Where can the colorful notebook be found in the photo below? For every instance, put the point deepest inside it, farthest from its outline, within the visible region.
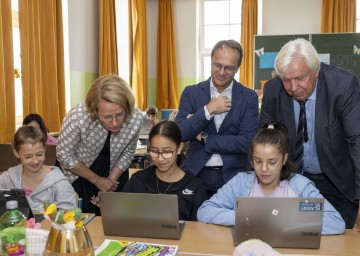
(122, 248)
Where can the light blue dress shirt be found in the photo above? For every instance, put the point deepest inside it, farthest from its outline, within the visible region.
(311, 161)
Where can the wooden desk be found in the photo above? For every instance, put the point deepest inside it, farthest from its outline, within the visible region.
(206, 239)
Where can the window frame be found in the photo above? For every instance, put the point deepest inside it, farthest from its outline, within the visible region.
(206, 52)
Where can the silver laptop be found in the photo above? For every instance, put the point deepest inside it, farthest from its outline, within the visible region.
(145, 129)
(291, 222)
(140, 215)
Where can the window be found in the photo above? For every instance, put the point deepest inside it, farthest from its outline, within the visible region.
(17, 63)
(17, 59)
(219, 20)
(357, 16)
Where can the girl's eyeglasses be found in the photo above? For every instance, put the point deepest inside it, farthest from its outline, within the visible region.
(271, 165)
(165, 155)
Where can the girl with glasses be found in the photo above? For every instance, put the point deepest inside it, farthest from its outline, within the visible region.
(273, 175)
(165, 176)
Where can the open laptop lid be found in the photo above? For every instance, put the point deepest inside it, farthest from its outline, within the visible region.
(291, 222)
(140, 215)
(145, 129)
(18, 195)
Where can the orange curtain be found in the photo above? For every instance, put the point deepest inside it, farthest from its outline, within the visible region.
(7, 91)
(107, 34)
(167, 92)
(248, 31)
(42, 60)
(139, 58)
(338, 16)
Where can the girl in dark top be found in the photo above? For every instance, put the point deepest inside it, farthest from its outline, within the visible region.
(165, 175)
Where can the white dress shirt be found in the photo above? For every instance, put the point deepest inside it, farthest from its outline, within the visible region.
(215, 159)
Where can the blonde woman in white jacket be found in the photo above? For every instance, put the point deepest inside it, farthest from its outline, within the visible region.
(98, 140)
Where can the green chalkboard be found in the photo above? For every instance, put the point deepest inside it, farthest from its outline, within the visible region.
(339, 49)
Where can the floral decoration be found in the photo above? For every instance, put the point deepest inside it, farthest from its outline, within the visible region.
(70, 219)
(31, 223)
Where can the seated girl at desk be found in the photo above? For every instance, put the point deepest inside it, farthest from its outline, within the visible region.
(273, 176)
(36, 120)
(151, 114)
(40, 182)
(165, 175)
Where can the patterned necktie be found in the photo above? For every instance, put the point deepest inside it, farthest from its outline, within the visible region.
(301, 137)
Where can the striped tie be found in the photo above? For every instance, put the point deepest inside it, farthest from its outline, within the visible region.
(301, 137)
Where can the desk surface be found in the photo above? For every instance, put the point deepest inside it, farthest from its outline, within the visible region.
(141, 152)
(201, 238)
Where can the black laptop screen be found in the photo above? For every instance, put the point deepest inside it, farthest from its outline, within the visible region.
(18, 195)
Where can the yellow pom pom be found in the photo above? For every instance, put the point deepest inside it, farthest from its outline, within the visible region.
(69, 216)
(79, 224)
(76, 211)
(51, 209)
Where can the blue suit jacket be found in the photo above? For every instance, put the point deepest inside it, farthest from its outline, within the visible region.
(233, 139)
(337, 124)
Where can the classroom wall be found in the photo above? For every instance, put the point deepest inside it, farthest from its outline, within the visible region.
(185, 40)
(283, 17)
(152, 13)
(83, 17)
(278, 17)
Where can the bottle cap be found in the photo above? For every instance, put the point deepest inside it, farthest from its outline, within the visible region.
(11, 204)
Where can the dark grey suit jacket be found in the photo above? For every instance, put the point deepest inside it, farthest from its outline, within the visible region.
(337, 124)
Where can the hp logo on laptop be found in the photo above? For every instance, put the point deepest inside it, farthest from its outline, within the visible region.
(275, 212)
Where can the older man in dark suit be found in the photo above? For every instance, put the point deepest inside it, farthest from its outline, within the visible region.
(329, 128)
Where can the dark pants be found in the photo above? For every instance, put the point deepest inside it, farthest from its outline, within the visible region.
(347, 209)
(212, 179)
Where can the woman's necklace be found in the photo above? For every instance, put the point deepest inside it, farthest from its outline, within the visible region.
(157, 186)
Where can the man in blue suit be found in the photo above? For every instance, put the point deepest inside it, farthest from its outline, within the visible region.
(219, 117)
(331, 154)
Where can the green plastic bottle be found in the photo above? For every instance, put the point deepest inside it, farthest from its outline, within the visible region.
(13, 231)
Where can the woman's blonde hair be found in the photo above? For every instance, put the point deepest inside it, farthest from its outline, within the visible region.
(113, 89)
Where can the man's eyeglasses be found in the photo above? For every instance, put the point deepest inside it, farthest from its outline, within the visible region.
(228, 69)
(165, 155)
(109, 119)
(271, 165)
